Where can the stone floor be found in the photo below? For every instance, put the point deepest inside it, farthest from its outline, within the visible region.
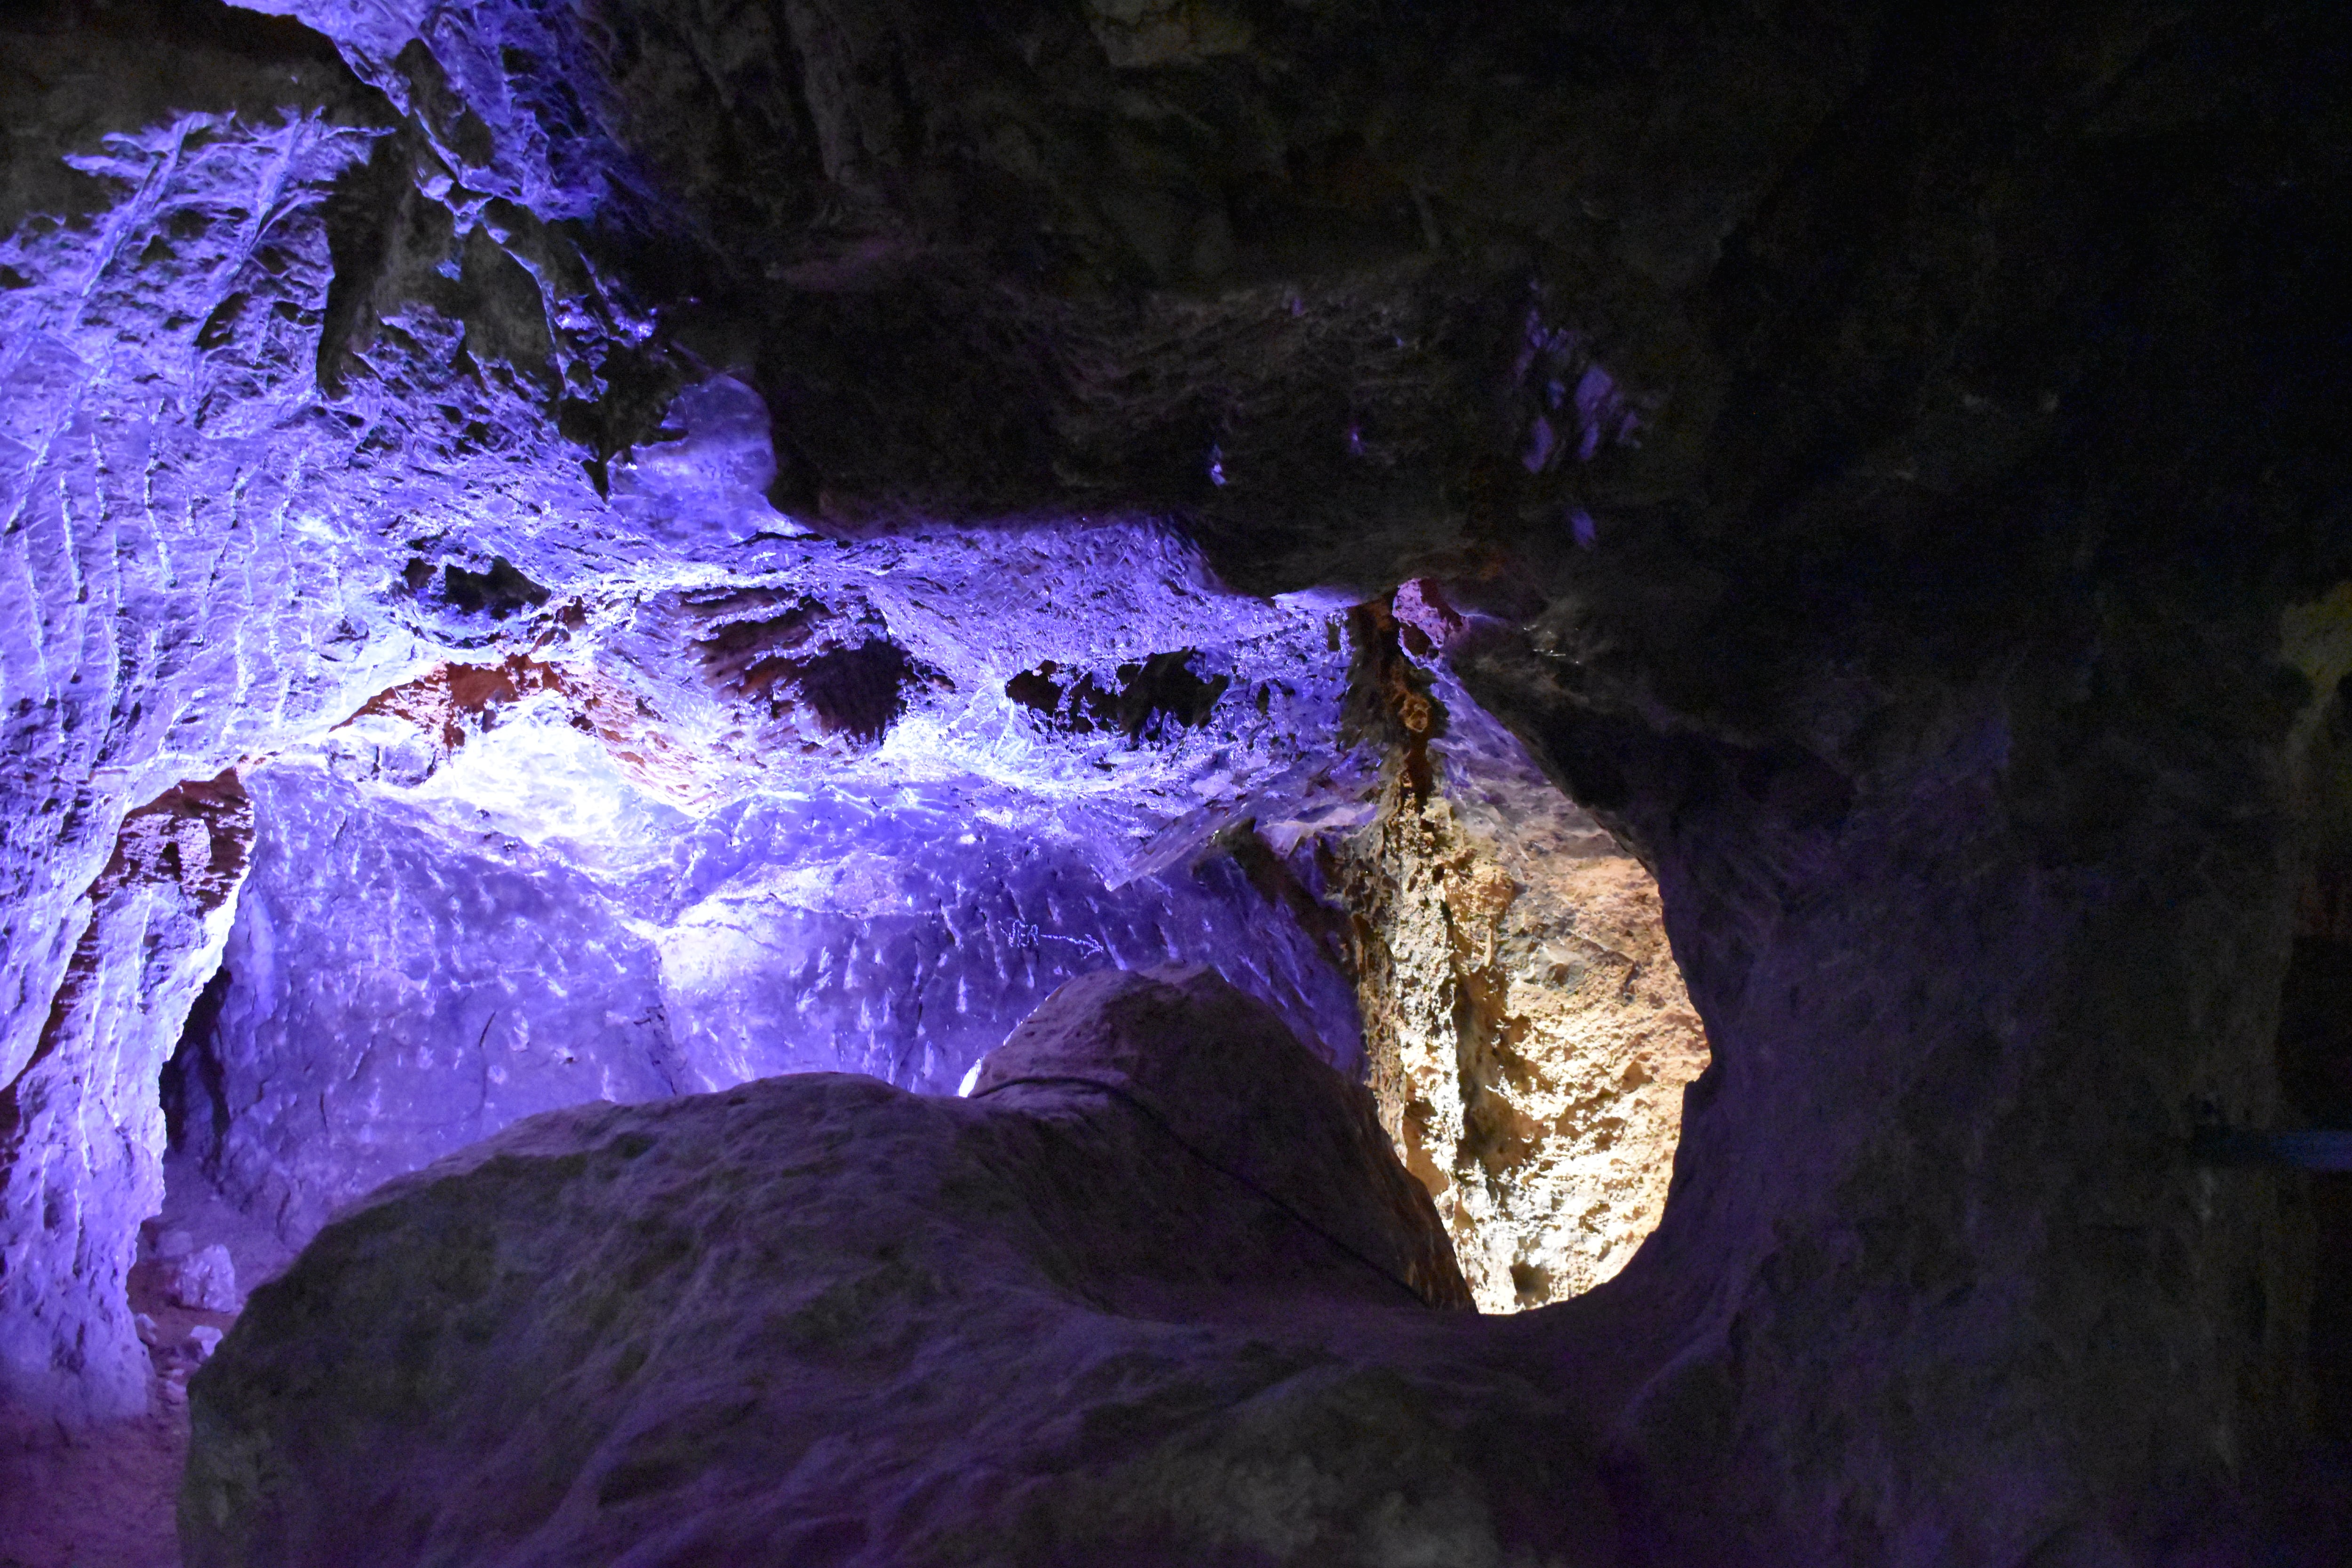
(105, 1498)
(103, 1501)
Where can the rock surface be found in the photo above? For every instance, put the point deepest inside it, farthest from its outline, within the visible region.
(205, 1279)
(816, 1320)
(648, 861)
(104, 1493)
(81, 1127)
(1890, 466)
(1179, 1047)
(408, 975)
(1527, 1033)
(174, 600)
(1959, 1055)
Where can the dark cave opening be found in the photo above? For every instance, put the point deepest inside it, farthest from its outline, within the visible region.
(193, 1088)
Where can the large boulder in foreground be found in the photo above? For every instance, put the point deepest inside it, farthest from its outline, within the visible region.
(1158, 1292)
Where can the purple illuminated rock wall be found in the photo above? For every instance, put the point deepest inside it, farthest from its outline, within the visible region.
(399, 984)
(167, 611)
(84, 1130)
(304, 397)
(708, 833)
(285, 416)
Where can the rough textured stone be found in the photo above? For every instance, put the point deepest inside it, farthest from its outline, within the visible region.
(1525, 1029)
(650, 860)
(1527, 1033)
(409, 972)
(205, 1279)
(1889, 464)
(1176, 1045)
(183, 589)
(1902, 1080)
(81, 1127)
(816, 1320)
(390, 995)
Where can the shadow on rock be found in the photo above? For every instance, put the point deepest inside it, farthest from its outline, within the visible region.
(1158, 1292)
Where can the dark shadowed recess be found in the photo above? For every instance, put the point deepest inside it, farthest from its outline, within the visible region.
(1146, 698)
(497, 592)
(2315, 1058)
(854, 690)
(154, 51)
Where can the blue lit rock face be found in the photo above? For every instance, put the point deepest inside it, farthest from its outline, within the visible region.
(414, 968)
(901, 939)
(398, 988)
(202, 548)
(161, 912)
(284, 404)
(724, 825)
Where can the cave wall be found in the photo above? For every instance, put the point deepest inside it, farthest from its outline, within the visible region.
(1530, 1038)
(2315, 1046)
(391, 996)
(408, 974)
(861, 809)
(1959, 1064)
(81, 1126)
(297, 417)
(189, 583)
(153, 559)
(927, 1264)
(1966, 760)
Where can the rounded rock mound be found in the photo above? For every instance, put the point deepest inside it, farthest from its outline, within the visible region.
(1150, 1295)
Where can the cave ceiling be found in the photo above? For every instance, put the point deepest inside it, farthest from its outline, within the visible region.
(1525, 298)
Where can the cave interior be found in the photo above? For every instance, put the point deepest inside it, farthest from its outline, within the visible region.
(1224, 781)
